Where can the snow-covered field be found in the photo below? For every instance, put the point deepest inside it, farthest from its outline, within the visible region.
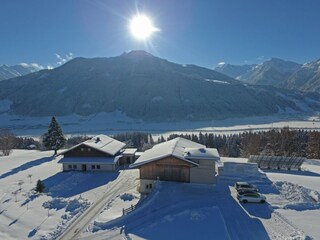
(117, 122)
(172, 211)
(28, 215)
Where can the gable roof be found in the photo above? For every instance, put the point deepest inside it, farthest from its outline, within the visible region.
(180, 148)
(101, 143)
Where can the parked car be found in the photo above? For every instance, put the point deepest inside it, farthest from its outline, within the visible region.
(242, 191)
(245, 185)
(251, 197)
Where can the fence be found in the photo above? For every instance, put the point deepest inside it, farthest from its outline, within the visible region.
(125, 211)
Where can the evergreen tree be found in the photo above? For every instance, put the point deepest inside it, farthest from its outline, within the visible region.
(54, 138)
(39, 186)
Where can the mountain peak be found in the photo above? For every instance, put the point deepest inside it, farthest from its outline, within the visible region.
(137, 53)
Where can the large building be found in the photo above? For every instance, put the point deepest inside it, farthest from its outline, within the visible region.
(179, 160)
(100, 153)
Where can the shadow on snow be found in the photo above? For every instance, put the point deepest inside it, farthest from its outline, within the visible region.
(68, 184)
(26, 166)
(190, 211)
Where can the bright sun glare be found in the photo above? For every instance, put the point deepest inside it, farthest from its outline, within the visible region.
(141, 27)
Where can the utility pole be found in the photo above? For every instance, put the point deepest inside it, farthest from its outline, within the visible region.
(20, 182)
(29, 176)
(15, 195)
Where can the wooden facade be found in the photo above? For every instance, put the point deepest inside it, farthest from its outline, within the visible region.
(85, 151)
(166, 169)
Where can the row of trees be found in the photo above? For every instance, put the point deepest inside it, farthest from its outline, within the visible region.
(283, 142)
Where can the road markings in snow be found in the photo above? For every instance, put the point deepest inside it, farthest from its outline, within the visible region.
(113, 189)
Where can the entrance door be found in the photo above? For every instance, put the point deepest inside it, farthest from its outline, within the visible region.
(84, 167)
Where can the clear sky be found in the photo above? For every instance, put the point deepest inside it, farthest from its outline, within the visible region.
(202, 32)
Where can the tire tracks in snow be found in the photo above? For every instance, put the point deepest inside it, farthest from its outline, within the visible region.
(113, 189)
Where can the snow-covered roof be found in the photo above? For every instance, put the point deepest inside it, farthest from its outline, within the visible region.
(90, 160)
(129, 151)
(138, 154)
(202, 153)
(179, 148)
(102, 143)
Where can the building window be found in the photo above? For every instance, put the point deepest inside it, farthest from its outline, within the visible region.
(74, 166)
(150, 186)
(93, 166)
(147, 186)
(89, 149)
(70, 166)
(82, 149)
(98, 166)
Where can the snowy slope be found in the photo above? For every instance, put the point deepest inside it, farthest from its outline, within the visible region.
(66, 195)
(145, 87)
(172, 211)
(7, 72)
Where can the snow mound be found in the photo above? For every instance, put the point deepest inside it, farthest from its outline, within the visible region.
(298, 197)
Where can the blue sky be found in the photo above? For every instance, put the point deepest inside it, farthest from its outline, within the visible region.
(200, 32)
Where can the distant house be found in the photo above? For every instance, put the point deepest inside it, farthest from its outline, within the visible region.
(100, 153)
(128, 156)
(178, 160)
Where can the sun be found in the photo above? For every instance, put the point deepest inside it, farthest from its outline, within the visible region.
(142, 27)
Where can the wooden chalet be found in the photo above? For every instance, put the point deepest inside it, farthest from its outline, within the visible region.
(100, 153)
(179, 160)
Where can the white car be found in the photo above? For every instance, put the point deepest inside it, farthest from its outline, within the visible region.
(251, 197)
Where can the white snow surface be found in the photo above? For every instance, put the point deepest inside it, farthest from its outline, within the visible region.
(216, 81)
(171, 211)
(176, 147)
(44, 216)
(118, 122)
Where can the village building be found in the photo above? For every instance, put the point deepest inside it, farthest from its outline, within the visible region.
(179, 160)
(128, 156)
(100, 153)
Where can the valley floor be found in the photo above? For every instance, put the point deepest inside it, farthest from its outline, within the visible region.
(172, 211)
(117, 122)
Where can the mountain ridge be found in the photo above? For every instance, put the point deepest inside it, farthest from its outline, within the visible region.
(7, 72)
(280, 73)
(143, 87)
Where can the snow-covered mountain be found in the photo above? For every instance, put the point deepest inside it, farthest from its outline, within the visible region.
(278, 73)
(273, 72)
(307, 78)
(144, 87)
(235, 71)
(7, 72)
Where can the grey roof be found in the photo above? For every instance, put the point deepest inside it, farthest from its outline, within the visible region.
(180, 148)
(90, 160)
(129, 151)
(102, 143)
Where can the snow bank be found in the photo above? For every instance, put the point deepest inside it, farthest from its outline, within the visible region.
(298, 197)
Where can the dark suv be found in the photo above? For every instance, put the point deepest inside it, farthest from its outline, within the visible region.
(245, 186)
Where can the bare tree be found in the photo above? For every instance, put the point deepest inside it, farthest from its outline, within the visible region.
(7, 141)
